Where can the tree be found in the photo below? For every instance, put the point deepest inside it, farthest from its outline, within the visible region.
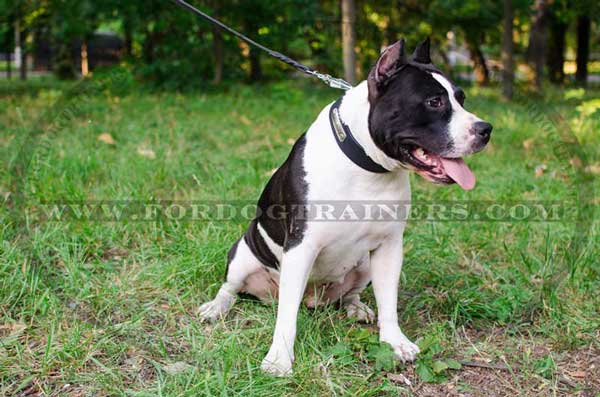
(559, 16)
(7, 36)
(349, 40)
(68, 29)
(19, 47)
(217, 37)
(536, 51)
(583, 48)
(555, 56)
(508, 73)
(482, 72)
(475, 19)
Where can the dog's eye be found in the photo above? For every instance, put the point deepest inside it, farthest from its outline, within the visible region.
(436, 102)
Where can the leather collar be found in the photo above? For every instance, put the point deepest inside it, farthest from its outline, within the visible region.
(348, 144)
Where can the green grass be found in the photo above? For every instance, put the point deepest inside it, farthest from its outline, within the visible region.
(93, 308)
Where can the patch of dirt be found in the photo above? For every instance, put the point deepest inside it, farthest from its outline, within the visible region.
(486, 374)
(115, 254)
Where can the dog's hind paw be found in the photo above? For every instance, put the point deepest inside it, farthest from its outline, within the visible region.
(213, 311)
(360, 311)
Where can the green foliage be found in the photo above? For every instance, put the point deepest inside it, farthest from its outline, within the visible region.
(545, 366)
(109, 308)
(430, 367)
(173, 49)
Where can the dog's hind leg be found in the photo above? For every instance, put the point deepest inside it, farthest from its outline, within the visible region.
(351, 301)
(241, 263)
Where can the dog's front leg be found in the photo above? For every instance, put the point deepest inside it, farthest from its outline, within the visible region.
(386, 265)
(296, 265)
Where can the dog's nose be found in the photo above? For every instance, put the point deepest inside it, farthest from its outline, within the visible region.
(482, 129)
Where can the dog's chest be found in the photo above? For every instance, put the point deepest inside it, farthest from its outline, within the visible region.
(346, 245)
(336, 182)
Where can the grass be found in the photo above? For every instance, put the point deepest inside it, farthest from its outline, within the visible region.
(98, 308)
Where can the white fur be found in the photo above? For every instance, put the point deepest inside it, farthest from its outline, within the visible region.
(243, 264)
(460, 124)
(275, 248)
(331, 249)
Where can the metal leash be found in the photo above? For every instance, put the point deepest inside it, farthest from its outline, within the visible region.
(327, 79)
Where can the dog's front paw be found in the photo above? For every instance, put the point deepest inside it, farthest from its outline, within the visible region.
(277, 363)
(360, 311)
(404, 349)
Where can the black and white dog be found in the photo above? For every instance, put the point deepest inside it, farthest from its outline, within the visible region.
(406, 117)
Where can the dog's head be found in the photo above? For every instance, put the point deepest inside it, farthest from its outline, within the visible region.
(417, 117)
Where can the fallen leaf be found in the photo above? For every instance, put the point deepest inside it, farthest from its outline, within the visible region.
(177, 368)
(593, 169)
(528, 143)
(540, 169)
(13, 329)
(576, 162)
(398, 378)
(115, 253)
(291, 141)
(106, 138)
(145, 152)
(578, 374)
(244, 120)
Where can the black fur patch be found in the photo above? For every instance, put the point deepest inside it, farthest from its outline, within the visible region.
(399, 119)
(277, 208)
(259, 247)
(231, 255)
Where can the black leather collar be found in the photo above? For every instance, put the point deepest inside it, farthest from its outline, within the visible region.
(348, 144)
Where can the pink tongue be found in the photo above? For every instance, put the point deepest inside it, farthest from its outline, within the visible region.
(458, 170)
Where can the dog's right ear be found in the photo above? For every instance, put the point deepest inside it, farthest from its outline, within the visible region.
(391, 59)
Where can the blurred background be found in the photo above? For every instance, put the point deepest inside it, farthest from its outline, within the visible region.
(530, 42)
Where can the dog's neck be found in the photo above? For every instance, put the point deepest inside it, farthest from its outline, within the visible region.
(354, 112)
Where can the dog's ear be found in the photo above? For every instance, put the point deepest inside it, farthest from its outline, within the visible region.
(390, 59)
(421, 54)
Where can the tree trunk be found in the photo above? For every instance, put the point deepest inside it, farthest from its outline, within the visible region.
(349, 40)
(8, 65)
(128, 33)
(255, 68)
(508, 65)
(85, 69)
(23, 68)
(583, 48)
(555, 56)
(217, 35)
(19, 53)
(218, 54)
(254, 53)
(482, 73)
(149, 46)
(537, 40)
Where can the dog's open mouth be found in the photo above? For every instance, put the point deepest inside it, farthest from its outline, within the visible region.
(443, 170)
